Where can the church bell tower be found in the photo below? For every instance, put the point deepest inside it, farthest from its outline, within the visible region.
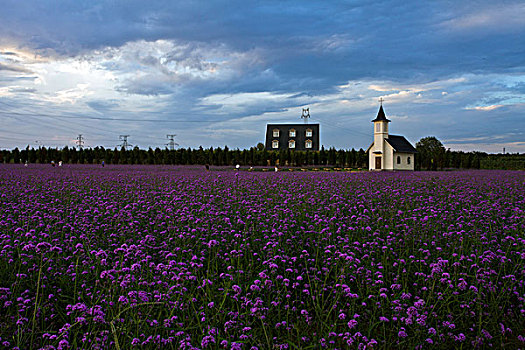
(380, 134)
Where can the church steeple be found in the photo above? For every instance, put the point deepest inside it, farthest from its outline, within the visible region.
(381, 117)
(381, 123)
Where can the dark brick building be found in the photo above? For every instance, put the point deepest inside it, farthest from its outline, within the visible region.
(300, 137)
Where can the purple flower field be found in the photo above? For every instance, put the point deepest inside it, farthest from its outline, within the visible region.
(149, 257)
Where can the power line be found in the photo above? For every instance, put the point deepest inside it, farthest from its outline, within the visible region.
(336, 126)
(35, 121)
(71, 118)
(26, 112)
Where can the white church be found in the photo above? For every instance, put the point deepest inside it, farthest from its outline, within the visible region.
(389, 152)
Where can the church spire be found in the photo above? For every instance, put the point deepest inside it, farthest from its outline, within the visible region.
(381, 117)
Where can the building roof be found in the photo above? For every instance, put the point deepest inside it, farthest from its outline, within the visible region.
(381, 116)
(296, 126)
(400, 144)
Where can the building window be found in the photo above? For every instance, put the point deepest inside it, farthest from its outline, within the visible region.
(378, 127)
(291, 144)
(308, 132)
(275, 132)
(408, 160)
(308, 144)
(386, 127)
(275, 144)
(398, 160)
(292, 132)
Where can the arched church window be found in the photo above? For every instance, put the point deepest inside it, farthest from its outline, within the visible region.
(408, 160)
(398, 159)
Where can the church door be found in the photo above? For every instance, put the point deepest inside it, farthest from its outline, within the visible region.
(378, 163)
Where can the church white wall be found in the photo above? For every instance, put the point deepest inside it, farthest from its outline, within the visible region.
(371, 159)
(386, 157)
(404, 161)
(389, 159)
(378, 146)
(379, 141)
(388, 163)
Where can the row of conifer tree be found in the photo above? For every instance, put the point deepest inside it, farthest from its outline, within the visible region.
(257, 156)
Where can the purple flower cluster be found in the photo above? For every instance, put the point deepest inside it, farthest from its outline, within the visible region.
(171, 256)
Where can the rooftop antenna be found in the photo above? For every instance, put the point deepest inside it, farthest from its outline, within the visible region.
(172, 142)
(125, 144)
(305, 115)
(80, 142)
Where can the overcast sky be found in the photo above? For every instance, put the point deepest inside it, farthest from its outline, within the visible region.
(216, 72)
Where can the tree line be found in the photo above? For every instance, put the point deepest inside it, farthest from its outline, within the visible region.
(431, 155)
(255, 156)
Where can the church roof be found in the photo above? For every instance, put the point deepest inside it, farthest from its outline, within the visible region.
(381, 116)
(400, 144)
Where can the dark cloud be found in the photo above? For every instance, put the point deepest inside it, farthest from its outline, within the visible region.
(11, 79)
(148, 86)
(14, 68)
(387, 39)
